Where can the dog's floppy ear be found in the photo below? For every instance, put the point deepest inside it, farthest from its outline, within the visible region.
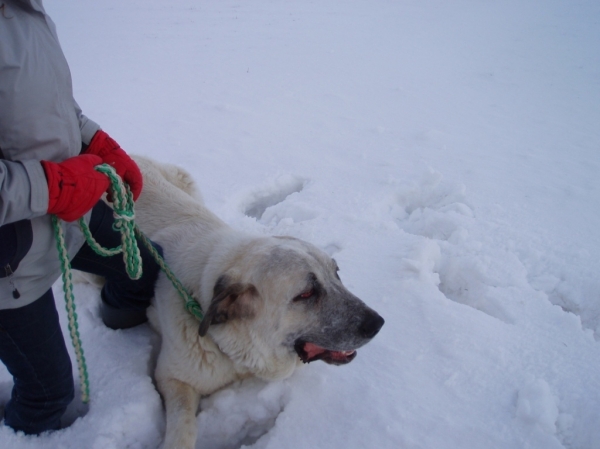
(230, 301)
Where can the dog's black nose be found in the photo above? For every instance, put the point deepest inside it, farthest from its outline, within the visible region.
(371, 324)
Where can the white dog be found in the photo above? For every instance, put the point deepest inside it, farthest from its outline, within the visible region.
(270, 303)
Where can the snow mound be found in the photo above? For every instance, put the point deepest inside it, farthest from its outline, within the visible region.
(537, 406)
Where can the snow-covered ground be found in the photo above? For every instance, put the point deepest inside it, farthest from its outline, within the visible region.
(446, 153)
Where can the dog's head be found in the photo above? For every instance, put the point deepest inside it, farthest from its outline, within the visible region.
(280, 302)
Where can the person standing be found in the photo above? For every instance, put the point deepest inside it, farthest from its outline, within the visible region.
(48, 151)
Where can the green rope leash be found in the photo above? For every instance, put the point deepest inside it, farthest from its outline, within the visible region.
(123, 207)
(191, 305)
(70, 306)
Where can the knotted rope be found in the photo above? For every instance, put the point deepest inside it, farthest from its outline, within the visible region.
(123, 207)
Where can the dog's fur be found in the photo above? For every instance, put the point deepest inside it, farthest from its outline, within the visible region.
(270, 303)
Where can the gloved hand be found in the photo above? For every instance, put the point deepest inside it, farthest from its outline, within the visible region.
(112, 154)
(74, 187)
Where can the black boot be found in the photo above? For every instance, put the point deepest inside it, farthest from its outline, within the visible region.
(114, 318)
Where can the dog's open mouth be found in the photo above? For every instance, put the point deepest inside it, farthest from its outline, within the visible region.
(309, 352)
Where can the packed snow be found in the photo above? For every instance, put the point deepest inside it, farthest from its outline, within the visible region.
(447, 154)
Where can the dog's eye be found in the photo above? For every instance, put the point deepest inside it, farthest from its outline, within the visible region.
(306, 295)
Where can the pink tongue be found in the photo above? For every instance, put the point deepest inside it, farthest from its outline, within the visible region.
(313, 350)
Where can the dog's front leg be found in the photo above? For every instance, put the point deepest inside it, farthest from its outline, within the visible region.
(181, 404)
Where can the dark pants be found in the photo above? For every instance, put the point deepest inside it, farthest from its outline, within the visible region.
(31, 342)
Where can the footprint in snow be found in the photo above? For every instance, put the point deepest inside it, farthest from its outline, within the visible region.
(272, 204)
(437, 210)
(433, 209)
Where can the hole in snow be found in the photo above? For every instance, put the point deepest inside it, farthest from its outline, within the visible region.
(240, 415)
(273, 195)
(76, 409)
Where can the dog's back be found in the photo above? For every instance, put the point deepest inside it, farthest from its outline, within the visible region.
(169, 195)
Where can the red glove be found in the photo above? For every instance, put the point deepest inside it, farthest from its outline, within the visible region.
(74, 187)
(112, 154)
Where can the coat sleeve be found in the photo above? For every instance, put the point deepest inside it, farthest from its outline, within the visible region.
(23, 191)
(87, 126)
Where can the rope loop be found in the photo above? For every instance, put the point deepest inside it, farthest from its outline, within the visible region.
(124, 223)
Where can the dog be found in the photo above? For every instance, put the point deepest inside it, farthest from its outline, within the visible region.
(270, 303)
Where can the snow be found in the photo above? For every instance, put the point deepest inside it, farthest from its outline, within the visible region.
(445, 153)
